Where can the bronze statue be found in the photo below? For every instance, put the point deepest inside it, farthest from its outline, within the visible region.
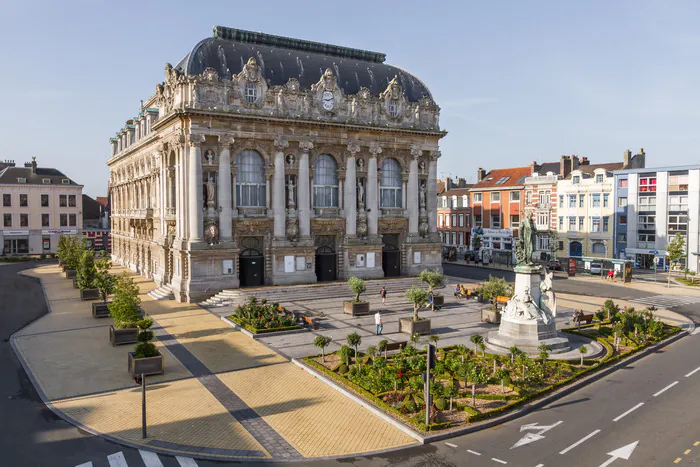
(527, 240)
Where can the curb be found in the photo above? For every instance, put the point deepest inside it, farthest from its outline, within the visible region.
(379, 413)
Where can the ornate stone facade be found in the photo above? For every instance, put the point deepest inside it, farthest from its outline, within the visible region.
(228, 179)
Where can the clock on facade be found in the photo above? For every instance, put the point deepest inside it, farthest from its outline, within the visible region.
(328, 100)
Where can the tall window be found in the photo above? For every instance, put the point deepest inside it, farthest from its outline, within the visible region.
(44, 220)
(7, 219)
(622, 183)
(62, 201)
(647, 184)
(477, 197)
(581, 200)
(495, 197)
(496, 221)
(477, 221)
(595, 224)
(561, 201)
(44, 201)
(250, 179)
(572, 201)
(390, 184)
(23, 201)
(71, 201)
(581, 224)
(325, 182)
(514, 221)
(561, 223)
(572, 224)
(7, 200)
(605, 199)
(461, 220)
(595, 200)
(544, 198)
(24, 220)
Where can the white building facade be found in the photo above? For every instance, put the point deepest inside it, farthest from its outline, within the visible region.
(251, 165)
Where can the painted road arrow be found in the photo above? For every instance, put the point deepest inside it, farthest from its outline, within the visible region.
(622, 453)
(532, 437)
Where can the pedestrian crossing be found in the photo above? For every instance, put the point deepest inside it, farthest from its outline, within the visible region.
(667, 301)
(145, 459)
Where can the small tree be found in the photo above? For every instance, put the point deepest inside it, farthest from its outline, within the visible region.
(675, 251)
(354, 340)
(502, 374)
(145, 348)
(125, 308)
(322, 342)
(610, 309)
(415, 337)
(435, 339)
(476, 339)
(583, 351)
(357, 286)
(544, 353)
(86, 273)
(61, 248)
(345, 352)
(451, 391)
(482, 347)
(461, 350)
(495, 287)
(418, 297)
(381, 346)
(514, 351)
(618, 330)
(104, 281)
(433, 278)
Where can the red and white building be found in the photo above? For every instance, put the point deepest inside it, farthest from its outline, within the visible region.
(454, 213)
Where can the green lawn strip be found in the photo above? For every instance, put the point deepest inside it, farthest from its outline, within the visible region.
(244, 324)
(688, 282)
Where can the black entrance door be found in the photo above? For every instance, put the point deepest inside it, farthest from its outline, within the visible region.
(391, 255)
(325, 264)
(252, 268)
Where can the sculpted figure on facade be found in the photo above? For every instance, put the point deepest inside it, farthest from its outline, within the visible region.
(326, 93)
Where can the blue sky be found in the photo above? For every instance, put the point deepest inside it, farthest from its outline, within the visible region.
(517, 81)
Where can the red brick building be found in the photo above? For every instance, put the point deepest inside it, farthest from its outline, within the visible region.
(454, 213)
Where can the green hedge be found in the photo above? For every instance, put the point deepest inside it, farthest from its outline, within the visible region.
(244, 324)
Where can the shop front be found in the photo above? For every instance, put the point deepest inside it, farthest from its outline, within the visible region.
(15, 242)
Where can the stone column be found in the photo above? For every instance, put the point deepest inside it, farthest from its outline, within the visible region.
(194, 179)
(303, 186)
(224, 182)
(372, 191)
(179, 155)
(350, 194)
(278, 194)
(412, 194)
(431, 192)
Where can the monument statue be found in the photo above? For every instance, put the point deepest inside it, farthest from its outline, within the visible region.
(211, 189)
(422, 195)
(290, 188)
(527, 241)
(360, 192)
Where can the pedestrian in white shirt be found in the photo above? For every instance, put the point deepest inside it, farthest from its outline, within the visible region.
(378, 323)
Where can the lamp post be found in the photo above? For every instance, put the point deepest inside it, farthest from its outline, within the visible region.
(141, 379)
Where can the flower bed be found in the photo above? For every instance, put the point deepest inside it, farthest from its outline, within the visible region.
(468, 386)
(262, 317)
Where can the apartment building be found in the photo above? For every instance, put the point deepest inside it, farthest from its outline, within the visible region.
(454, 213)
(651, 207)
(38, 205)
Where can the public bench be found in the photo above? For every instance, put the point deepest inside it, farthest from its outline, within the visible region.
(502, 300)
(396, 346)
(309, 321)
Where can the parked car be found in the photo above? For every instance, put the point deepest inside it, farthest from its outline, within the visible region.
(555, 265)
(596, 268)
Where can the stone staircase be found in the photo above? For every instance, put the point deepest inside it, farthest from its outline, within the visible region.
(162, 292)
(308, 292)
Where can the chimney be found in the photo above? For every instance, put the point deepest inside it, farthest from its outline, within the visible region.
(534, 168)
(574, 162)
(448, 183)
(638, 161)
(461, 183)
(565, 166)
(480, 174)
(34, 165)
(584, 160)
(626, 159)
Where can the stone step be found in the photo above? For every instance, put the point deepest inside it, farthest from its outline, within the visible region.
(162, 292)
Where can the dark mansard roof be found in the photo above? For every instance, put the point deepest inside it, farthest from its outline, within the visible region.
(281, 58)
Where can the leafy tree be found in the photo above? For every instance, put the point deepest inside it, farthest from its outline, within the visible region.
(345, 352)
(145, 348)
(372, 350)
(381, 346)
(618, 330)
(435, 339)
(357, 286)
(322, 342)
(462, 351)
(86, 273)
(433, 278)
(477, 376)
(514, 351)
(583, 350)
(482, 347)
(354, 340)
(495, 287)
(451, 391)
(418, 297)
(523, 361)
(476, 339)
(544, 353)
(502, 374)
(415, 337)
(126, 305)
(675, 251)
(610, 309)
(104, 281)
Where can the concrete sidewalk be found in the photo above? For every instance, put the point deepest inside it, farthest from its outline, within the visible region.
(223, 396)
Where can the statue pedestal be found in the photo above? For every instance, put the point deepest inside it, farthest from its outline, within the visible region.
(527, 320)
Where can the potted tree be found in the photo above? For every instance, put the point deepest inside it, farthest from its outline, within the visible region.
(415, 324)
(145, 359)
(105, 285)
(61, 251)
(126, 311)
(434, 279)
(72, 257)
(356, 307)
(490, 290)
(87, 275)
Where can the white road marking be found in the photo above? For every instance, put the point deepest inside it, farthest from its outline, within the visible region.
(150, 459)
(498, 460)
(629, 411)
(581, 441)
(473, 452)
(666, 388)
(117, 460)
(693, 372)
(87, 464)
(451, 445)
(186, 461)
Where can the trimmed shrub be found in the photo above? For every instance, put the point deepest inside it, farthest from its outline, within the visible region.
(440, 404)
(343, 369)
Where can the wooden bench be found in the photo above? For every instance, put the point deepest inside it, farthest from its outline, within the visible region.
(309, 321)
(502, 300)
(396, 346)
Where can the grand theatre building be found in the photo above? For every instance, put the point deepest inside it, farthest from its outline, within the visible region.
(270, 160)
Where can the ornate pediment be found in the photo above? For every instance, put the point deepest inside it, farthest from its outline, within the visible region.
(393, 100)
(250, 85)
(327, 95)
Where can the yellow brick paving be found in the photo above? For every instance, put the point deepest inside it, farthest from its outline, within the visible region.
(314, 418)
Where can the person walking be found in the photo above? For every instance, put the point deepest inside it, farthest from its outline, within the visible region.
(430, 300)
(379, 325)
(382, 293)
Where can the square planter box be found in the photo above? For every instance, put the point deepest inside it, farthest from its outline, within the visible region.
(146, 366)
(89, 294)
(70, 273)
(122, 336)
(75, 282)
(356, 309)
(491, 316)
(438, 300)
(100, 310)
(411, 327)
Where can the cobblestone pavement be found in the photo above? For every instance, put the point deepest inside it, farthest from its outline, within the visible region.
(223, 395)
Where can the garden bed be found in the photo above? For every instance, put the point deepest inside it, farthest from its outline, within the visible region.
(260, 317)
(500, 383)
(247, 326)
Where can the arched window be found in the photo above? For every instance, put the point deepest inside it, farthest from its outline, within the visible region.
(390, 184)
(250, 179)
(598, 248)
(325, 183)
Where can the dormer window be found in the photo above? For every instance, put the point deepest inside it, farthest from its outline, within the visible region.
(599, 178)
(576, 179)
(21, 180)
(46, 181)
(251, 93)
(65, 181)
(393, 108)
